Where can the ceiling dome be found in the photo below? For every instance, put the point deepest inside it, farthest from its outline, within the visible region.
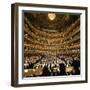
(49, 21)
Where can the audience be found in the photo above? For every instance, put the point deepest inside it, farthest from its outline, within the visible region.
(54, 66)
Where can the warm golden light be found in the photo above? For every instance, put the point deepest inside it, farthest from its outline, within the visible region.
(51, 16)
(26, 70)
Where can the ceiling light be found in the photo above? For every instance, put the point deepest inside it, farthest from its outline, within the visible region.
(51, 16)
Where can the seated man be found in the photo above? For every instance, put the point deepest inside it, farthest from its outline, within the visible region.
(62, 69)
(76, 65)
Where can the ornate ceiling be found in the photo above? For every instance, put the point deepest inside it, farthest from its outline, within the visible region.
(58, 22)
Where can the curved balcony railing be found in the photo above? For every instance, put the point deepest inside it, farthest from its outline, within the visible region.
(30, 33)
(31, 46)
(40, 32)
(49, 42)
(52, 52)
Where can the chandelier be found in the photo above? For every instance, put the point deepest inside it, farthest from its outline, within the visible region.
(51, 16)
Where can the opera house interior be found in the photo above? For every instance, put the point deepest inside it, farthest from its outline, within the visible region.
(51, 44)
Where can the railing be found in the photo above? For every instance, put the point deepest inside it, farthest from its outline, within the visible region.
(52, 53)
(51, 47)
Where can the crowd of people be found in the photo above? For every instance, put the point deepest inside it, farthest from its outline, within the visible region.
(55, 48)
(54, 66)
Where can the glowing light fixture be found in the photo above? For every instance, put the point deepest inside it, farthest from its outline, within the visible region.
(51, 16)
(26, 70)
